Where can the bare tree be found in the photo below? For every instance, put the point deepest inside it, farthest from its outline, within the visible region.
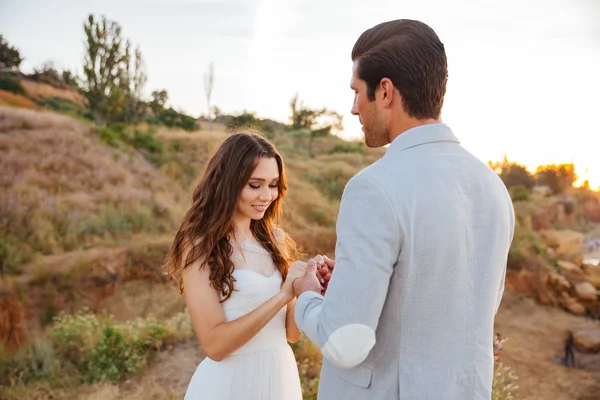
(209, 80)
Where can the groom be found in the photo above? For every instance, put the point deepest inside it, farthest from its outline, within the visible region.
(422, 241)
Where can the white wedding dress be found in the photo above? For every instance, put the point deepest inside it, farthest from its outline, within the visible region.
(265, 367)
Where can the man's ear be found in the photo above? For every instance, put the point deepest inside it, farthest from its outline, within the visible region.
(387, 91)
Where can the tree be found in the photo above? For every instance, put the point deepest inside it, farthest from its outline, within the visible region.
(112, 84)
(558, 177)
(319, 122)
(513, 174)
(217, 113)
(48, 73)
(209, 80)
(133, 86)
(245, 119)
(159, 100)
(10, 58)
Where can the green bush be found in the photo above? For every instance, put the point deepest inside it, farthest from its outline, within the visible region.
(173, 119)
(113, 357)
(104, 350)
(33, 362)
(93, 348)
(11, 84)
(73, 335)
(352, 147)
(321, 217)
(146, 141)
(519, 193)
(113, 135)
(13, 254)
(66, 107)
(113, 223)
(526, 248)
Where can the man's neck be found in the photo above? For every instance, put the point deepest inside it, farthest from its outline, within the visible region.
(403, 126)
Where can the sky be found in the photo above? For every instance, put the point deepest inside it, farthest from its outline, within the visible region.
(523, 75)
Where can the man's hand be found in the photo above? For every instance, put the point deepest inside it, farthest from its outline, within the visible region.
(308, 282)
(325, 267)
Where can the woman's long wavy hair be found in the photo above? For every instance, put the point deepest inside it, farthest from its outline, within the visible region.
(207, 226)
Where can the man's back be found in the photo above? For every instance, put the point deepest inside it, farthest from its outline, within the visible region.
(435, 335)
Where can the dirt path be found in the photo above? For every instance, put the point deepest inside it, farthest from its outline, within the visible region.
(535, 337)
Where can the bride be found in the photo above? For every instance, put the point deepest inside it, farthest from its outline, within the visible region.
(235, 270)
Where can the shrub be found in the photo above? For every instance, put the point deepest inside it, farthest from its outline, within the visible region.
(146, 141)
(113, 223)
(13, 254)
(104, 350)
(113, 357)
(113, 135)
(526, 249)
(352, 147)
(33, 362)
(66, 107)
(173, 119)
(73, 335)
(519, 193)
(503, 386)
(11, 84)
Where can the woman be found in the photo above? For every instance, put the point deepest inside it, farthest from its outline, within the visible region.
(235, 270)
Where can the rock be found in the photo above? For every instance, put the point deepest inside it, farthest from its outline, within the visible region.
(559, 282)
(568, 266)
(595, 280)
(593, 272)
(587, 341)
(586, 291)
(525, 282)
(573, 306)
(564, 242)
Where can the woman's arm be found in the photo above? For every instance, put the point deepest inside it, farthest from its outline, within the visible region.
(291, 329)
(218, 337)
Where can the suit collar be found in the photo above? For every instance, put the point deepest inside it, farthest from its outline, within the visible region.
(420, 135)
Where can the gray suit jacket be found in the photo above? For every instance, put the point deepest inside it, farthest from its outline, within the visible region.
(423, 238)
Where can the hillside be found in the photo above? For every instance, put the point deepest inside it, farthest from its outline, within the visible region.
(87, 215)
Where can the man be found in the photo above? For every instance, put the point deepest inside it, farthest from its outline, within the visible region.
(423, 238)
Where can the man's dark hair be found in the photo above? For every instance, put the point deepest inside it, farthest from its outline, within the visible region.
(412, 56)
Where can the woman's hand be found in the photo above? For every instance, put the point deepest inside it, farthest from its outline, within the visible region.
(297, 270)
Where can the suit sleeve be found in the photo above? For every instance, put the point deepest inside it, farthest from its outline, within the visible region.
(343, 323)
(511, 237)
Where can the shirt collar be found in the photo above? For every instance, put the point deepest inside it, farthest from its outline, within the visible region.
(422, 134)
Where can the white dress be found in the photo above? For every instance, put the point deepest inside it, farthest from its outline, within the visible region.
(265, 367)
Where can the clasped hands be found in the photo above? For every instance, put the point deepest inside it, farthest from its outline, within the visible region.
(313, 275)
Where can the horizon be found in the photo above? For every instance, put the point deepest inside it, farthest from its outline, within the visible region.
(522, 79)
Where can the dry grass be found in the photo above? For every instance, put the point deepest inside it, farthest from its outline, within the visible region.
(40, 90)
(16, 100)
(60, 186)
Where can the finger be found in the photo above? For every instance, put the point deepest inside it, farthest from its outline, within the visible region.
(320, 277)
(329, 262)
(325, 274)
(319, 260)
(311, 267)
